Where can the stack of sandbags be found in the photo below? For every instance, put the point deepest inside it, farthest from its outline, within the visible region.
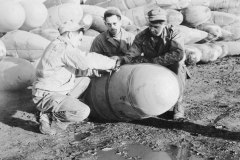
(25, 45)
(36, 14)
(124, 5)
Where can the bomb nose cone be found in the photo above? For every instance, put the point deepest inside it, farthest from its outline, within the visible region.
(153, 89)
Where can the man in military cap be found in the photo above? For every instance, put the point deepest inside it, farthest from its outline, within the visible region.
(115, 41)
(56, 90)
(160, 44)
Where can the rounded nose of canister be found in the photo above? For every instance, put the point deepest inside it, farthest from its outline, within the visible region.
(153, 89)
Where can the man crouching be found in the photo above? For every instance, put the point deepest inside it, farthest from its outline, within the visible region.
(56, 88)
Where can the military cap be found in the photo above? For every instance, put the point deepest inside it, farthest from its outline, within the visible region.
(157, 14)
(69, 26)
(112, 12)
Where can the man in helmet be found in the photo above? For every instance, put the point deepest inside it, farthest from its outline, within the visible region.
(56, 90)
(160, 44)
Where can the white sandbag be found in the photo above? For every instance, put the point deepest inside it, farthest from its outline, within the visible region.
(174, 17)
(191, 35)
(133, 29)
(214, 32)
(195, 15)
(225, 49)
(52, 3)
(91, 32)
(97, 14)
(124, 5)
(234, 29)
(218, 51)
(49, 33)
(86, 21)
(224, 19)
(3, 51)
(24, 45)
(226, 35)
(41, 1)
(35, 63)
(235, 11)
(225, 4)
(93, 2)
(12, 15)
(86, 43)
(210, 52)
(63, 13)
(205, 3)
(16, 74)
(193, 55)
(233, 48)
(36, 14)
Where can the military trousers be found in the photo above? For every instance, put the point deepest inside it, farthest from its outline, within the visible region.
(65, 107)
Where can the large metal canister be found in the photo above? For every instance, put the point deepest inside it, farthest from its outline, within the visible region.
(134, 92)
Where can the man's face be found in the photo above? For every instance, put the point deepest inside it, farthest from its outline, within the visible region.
(113, 24)
(157, 29)
(75, 38)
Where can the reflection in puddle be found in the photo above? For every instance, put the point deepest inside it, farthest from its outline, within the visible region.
(141, 152)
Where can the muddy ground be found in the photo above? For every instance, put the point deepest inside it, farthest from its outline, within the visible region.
(213, 132)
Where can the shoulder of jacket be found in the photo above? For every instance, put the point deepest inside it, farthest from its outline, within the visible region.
(101, 35)
(141, 35)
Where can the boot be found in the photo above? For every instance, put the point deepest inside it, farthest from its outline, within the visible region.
(45, 124)
(178, 111)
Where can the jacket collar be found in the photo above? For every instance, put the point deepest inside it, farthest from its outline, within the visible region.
(148, 35)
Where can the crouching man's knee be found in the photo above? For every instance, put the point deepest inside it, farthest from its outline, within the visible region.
(72, 110)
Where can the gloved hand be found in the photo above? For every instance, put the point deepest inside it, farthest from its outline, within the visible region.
(141, 59)
(119, 61)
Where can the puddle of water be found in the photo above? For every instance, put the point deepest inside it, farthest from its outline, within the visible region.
(141, 152)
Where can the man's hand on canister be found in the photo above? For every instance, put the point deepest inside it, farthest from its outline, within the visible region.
(141, 59)
(119, 61)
